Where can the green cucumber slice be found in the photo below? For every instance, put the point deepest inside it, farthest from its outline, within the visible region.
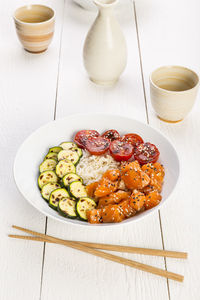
(56, 196)
(47, 177)
(65, 166)
(83, 205)
(48, 165)
(67, 208)
(48, 188)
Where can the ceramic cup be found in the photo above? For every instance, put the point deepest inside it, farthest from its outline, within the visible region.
(35, 27)
(173, 92)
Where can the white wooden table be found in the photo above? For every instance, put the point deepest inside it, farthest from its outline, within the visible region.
(35, 89)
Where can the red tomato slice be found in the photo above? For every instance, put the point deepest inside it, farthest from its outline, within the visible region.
(133, 139)
(132, 158)
(82, 136)
(120, 150)
(112, 135)
(98, 145)
(146, 153)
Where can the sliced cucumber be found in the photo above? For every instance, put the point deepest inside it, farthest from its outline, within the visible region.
(65, 166)
(51, 155)
(67, 207)
(48, 188)
(69, 178)
(55, 149)
(47, 177)
(70, 155)
(83, 205)
(77, 189)
(48, 165)
(68, 145)
(56, 196)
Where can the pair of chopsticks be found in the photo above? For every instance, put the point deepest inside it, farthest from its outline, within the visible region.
(91, 248)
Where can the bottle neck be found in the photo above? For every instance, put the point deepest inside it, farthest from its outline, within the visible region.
(104, 12)
(105, 6)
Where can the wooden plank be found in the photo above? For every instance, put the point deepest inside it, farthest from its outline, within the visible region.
(76, 273)
(168, 35)
(27, 98)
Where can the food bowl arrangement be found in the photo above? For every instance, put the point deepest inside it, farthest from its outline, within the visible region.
(29, 164)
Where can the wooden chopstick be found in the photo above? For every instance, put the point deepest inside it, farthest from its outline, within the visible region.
(118, 248)
(102, 254)
(111, 257)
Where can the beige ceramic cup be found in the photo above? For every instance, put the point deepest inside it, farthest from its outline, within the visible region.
(35, 27)
(173, 92)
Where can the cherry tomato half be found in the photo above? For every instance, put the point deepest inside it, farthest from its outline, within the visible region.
(120, 150)
(83, 135)
(146, 153)
(98, 145)
(133, 139)
(112, 135)
(132, 158)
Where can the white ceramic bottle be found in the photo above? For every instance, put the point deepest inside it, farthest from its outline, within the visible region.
(105, 52)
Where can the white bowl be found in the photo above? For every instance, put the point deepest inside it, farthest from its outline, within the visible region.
(89, 4)
(34, 148)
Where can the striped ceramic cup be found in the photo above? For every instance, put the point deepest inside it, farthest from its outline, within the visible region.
(35, 27)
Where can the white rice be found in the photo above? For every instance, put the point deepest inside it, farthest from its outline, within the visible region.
(92, 167)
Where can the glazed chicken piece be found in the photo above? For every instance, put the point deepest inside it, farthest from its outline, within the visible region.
(133, 176)
(113, 198)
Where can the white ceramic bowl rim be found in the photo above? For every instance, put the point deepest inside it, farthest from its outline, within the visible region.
(81, 223)
(103, 3)
(38, 23)
(173, 66)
